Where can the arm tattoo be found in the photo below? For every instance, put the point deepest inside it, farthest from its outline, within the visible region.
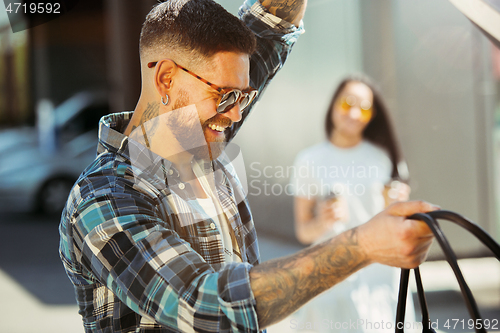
(283, 285)
(288, 10)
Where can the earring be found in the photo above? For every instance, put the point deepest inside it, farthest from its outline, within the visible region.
(168, 100)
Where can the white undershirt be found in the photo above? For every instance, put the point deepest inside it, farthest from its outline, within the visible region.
(212, 207)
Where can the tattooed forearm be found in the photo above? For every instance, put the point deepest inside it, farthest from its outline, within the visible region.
(282, 286)
(289, 10)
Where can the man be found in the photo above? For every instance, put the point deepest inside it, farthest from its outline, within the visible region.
(157, 235)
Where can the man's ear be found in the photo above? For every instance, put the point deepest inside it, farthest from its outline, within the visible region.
(165, 70)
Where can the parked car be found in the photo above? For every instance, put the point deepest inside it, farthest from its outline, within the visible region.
(32, 179)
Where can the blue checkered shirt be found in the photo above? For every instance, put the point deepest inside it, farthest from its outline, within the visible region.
(136, 250)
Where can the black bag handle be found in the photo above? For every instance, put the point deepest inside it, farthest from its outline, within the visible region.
(403, 291)
(479, 233)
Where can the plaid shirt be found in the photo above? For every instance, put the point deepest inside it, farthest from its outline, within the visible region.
(141, 257)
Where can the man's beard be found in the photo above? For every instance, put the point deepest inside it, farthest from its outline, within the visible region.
(193, 135)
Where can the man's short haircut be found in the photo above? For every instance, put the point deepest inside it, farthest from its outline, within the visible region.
(202, 26)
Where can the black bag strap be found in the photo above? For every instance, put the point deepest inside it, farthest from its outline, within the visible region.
(403, 291)
(479, 233)
(426, 320)
(470, 226)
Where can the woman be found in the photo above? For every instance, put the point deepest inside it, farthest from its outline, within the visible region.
(341, 183)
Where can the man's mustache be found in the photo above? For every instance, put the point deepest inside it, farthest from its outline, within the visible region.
(218, 120)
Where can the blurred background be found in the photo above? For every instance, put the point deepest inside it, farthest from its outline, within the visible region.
(438, 73)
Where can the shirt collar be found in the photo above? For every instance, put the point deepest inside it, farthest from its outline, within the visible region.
(112, 139)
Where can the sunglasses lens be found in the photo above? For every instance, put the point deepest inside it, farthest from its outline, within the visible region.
(366, 110)
(365, 104)
(344, 105)
(228, 101)
(366, 114)
(247, 99)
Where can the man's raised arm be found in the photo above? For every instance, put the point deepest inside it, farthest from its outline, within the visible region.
(281, 286)
(289, 10)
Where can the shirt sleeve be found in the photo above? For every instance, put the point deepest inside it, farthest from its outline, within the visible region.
(275, 39)
(122, 243)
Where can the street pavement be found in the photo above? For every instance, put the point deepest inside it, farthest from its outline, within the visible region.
(37, 297)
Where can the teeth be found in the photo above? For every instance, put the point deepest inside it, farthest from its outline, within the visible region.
(216, 127)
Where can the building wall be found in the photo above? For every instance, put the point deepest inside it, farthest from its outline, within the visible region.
(440, 86)
(68, 53)
(15, 101)
(290, 116)
(434, 70)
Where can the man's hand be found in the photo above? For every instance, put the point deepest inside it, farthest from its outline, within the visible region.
(390, 239)
(283, 285)
(289, 10)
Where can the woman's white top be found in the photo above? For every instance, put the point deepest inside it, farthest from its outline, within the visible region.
(368, 298)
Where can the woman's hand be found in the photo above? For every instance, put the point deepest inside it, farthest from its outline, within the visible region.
(396, 191)
(333, 211)
(313, 219)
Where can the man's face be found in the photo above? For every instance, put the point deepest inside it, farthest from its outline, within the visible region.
(202, 138)
(226, 70)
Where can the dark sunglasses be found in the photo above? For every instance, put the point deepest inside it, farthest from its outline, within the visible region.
(228, 98)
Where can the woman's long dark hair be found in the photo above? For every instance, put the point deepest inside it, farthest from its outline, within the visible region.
(379, 130)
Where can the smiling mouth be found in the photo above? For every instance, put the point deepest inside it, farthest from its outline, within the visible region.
(216, 128)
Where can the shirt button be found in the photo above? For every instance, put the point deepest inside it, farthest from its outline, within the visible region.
(170, 172)
(212, 226)
(182, 186)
